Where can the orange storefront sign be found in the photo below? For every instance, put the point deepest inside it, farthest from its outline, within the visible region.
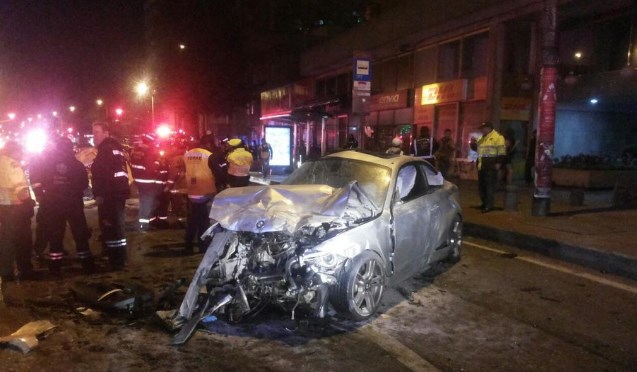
(449, 91)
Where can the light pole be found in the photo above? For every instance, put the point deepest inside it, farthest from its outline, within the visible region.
(142, 89)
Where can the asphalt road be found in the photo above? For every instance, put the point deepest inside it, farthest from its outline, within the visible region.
(498, 309)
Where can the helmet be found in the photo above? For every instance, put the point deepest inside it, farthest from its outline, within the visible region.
(397, 141)
(235, 142)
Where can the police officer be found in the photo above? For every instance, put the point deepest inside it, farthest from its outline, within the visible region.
(60, 193)
(491, 153)
(204, 177)
(110, 189)
(146, 169)
(239, 164)
(16, 210)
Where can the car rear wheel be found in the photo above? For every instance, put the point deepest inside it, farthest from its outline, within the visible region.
(454, 240)
(360, 287)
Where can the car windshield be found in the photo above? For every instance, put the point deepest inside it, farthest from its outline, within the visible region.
(338, 172)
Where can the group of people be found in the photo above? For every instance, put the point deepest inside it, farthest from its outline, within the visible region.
(59, 180)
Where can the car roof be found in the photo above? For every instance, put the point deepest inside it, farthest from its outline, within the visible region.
(388, 160)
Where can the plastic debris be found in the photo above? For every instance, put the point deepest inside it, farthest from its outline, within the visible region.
(26, 338)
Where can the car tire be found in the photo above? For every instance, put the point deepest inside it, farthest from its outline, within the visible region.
(360, 287)
(454, 240)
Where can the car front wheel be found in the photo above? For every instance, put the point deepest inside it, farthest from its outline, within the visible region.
(454, 240)
(360, 287)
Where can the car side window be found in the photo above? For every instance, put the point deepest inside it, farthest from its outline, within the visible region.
(410, 183)
(434, 178)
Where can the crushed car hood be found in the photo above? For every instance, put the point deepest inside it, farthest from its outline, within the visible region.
(287, 208)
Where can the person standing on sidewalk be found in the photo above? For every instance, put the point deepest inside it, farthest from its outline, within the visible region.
(444, 154)
(491, 152)
(265, 154)
(239, 164)
(16, 210)
(110, 189)
(60, 191)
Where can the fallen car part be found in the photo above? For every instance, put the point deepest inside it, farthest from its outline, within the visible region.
(26, 338)
(202, 312)
(114, 296)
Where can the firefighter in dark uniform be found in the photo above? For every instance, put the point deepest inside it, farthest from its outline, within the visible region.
(110, 189)
(146, 170)
(60, 192)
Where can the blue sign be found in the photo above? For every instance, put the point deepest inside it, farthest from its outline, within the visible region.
(362, 69)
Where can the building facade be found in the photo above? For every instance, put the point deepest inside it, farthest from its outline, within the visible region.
(454, 64)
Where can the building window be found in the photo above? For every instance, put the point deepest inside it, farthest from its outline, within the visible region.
(448, 61)
(474, 55)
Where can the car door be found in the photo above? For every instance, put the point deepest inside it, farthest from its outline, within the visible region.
(410, 221)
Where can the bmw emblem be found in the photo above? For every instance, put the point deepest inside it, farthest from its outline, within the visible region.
(260, 224)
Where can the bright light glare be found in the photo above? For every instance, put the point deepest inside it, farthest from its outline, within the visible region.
(119, 111)
(142, 88)
(163, 131)
(35, 141)
(70, 130)
(99, 102)
(11, 115)
(578, 55)
(72, 108)
(55, 113)
(594, 101)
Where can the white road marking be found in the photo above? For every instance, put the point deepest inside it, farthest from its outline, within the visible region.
(591, 277)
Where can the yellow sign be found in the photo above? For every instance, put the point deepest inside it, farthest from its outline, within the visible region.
(515, 108)
(449, 91)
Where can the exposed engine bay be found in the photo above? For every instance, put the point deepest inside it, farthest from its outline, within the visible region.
(244, 271)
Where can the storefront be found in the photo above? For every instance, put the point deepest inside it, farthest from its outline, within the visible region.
(391, 115)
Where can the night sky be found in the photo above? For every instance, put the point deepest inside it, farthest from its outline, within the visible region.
(59, 52)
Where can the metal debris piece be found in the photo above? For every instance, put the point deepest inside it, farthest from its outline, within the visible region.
(26, 338)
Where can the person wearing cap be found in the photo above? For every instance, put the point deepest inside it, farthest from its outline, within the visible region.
(395, 147)
(60, 190)
(491, 153)
(239, 164)
(16, 210)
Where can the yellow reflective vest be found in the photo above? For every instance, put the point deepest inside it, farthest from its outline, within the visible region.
(14, 187)
(239, 162)
(200, 180)
(490, 146)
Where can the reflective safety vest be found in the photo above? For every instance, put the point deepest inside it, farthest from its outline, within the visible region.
(490, 146)
(200, 180)
(239, 162)
(14, 187)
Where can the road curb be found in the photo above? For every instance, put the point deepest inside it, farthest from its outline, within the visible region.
(606, 262)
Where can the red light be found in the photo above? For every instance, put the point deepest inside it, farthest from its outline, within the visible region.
(119, 111)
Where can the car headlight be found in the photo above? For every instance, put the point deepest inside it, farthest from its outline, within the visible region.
(323, 260)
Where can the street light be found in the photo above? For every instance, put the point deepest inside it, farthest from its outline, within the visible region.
(72, 108)
(99, 102)
(143, 89)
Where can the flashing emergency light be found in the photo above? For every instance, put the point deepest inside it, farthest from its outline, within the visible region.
(119, 111)
(163, 131)
(35, 141)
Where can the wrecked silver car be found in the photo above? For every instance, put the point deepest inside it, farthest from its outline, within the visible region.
(336, 232)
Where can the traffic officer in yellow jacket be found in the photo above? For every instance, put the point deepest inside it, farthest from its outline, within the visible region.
(203, 178)
(491, 153)
(16, 210)
(239, 164)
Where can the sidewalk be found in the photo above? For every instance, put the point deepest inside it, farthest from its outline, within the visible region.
(592, 234)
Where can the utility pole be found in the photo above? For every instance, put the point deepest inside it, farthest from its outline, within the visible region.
(547, 102)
